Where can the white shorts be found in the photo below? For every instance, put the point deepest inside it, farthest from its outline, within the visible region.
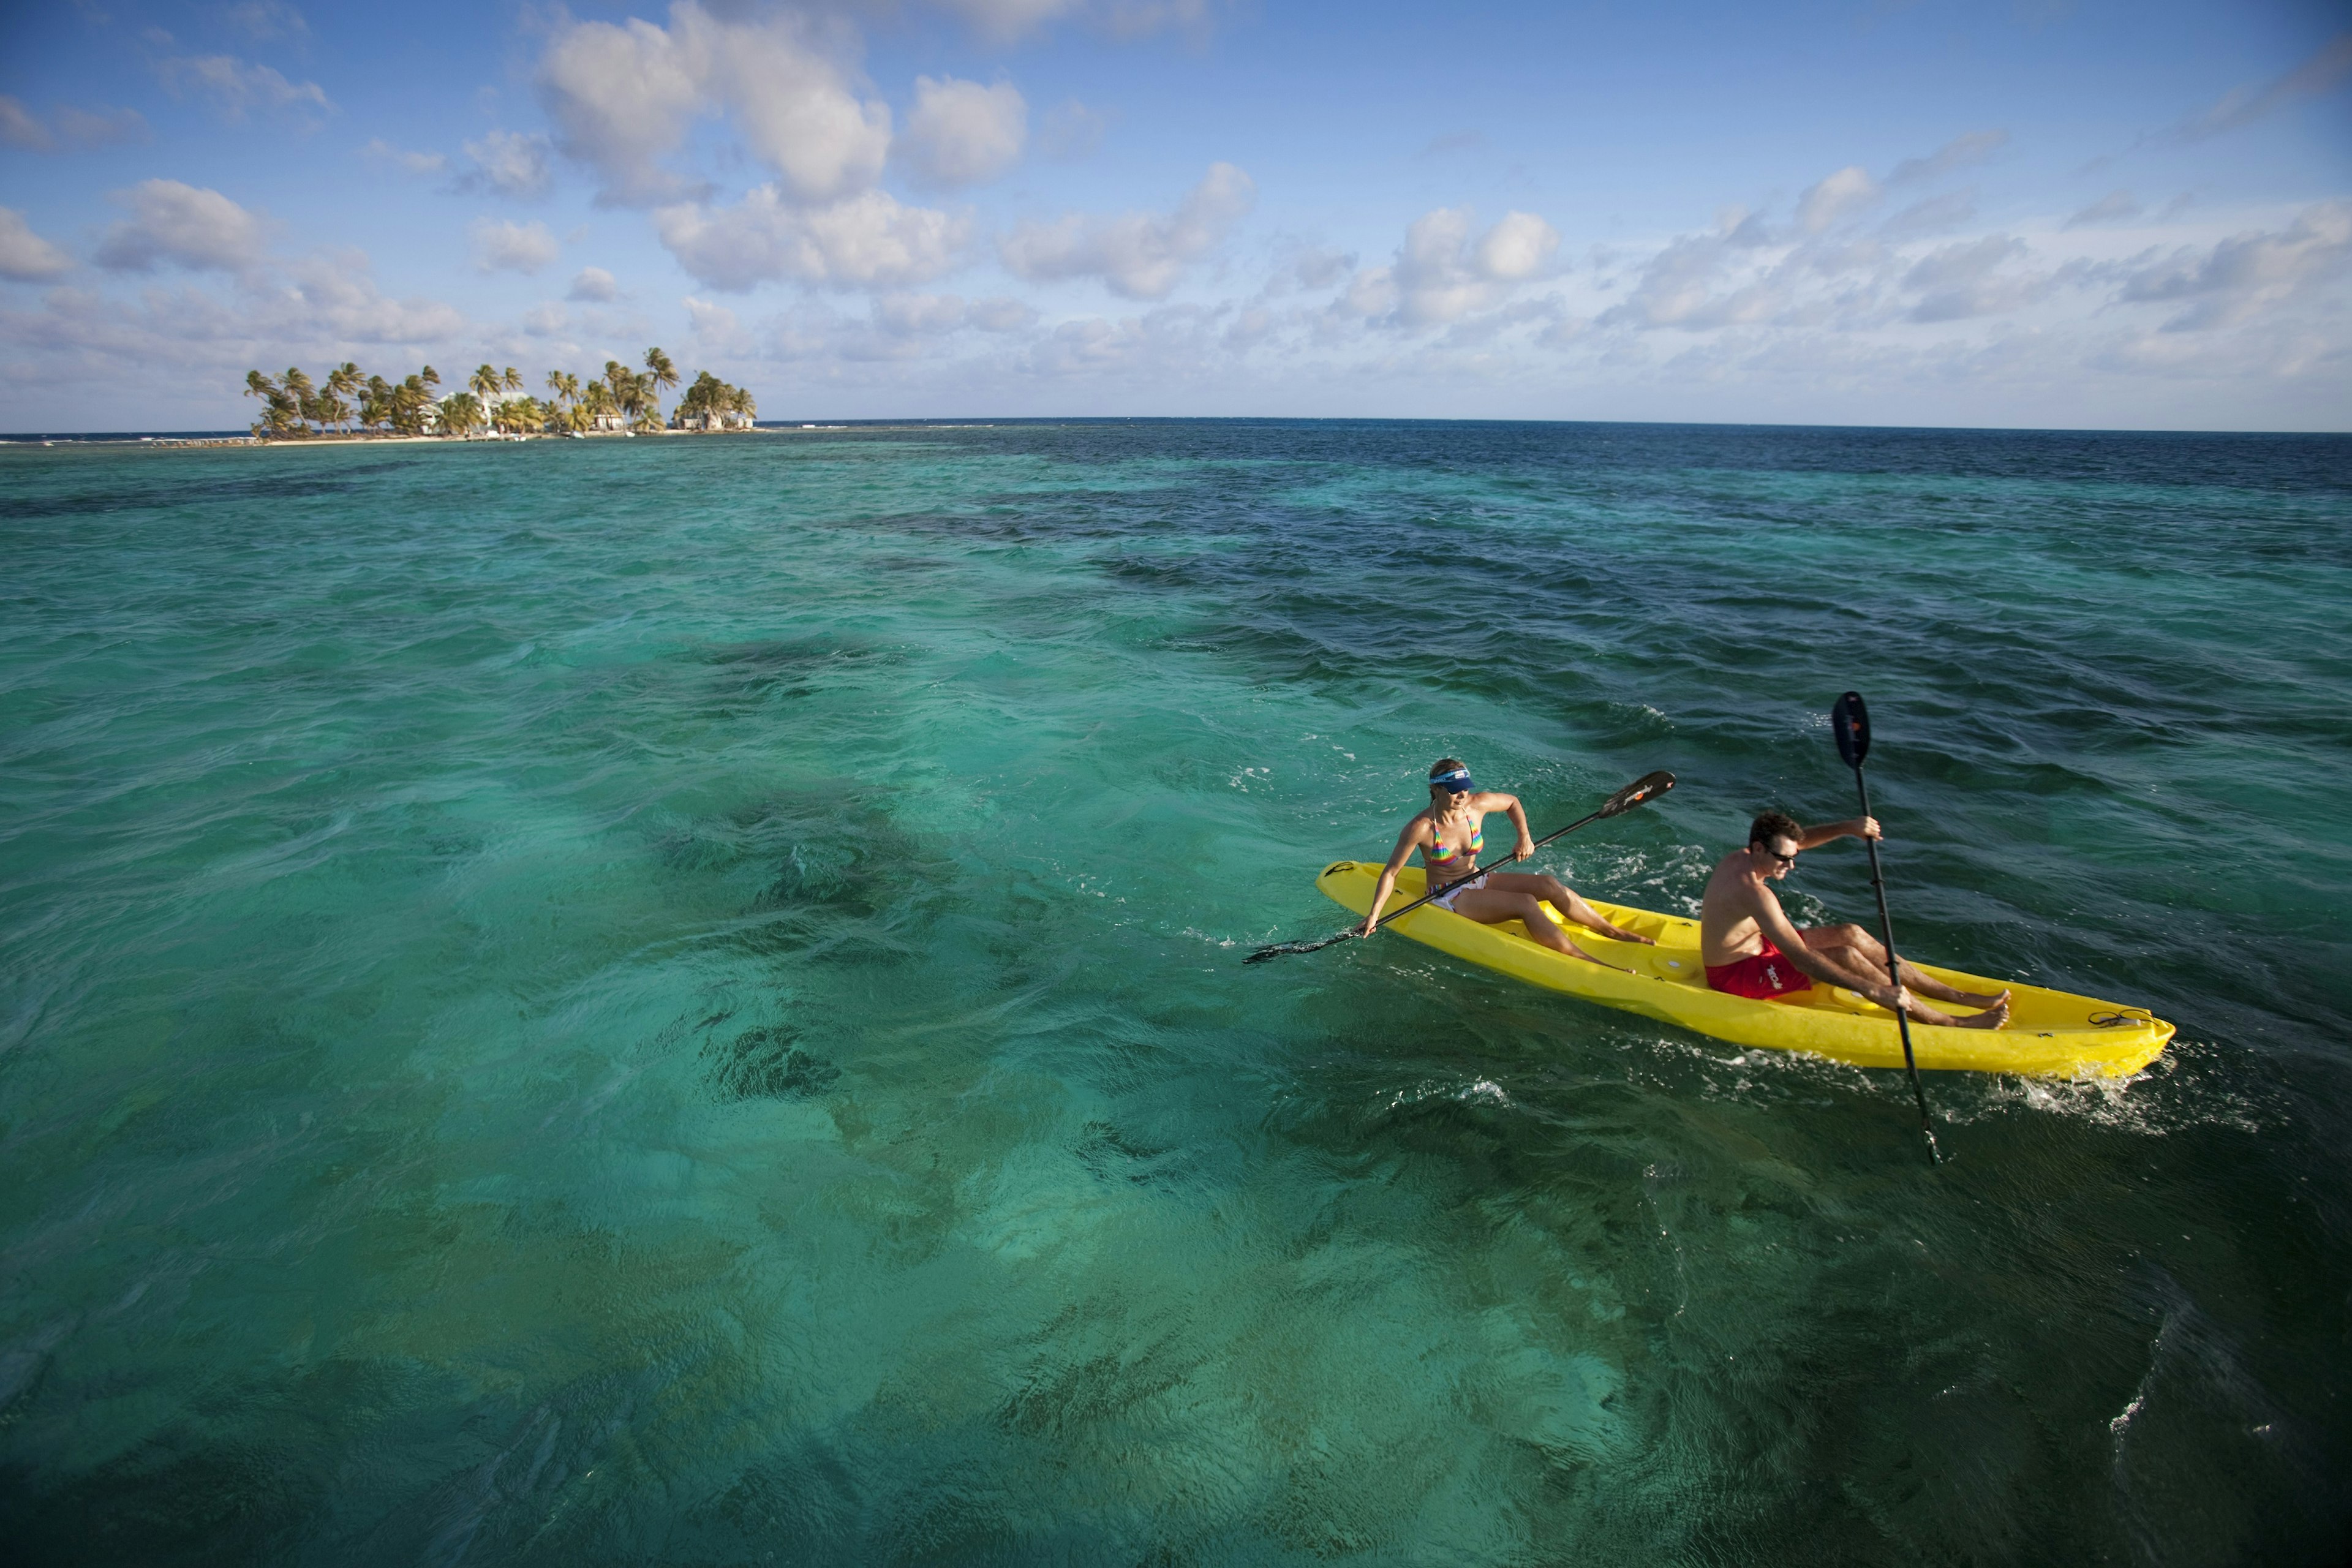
(1444, 901)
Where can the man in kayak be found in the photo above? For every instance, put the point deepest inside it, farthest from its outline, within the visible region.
(1452, 834)
(1751, 948)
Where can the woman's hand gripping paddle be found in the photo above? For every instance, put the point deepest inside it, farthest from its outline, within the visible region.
(1850, 720)
(1648, 788)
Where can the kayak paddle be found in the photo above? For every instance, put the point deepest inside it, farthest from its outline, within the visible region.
(1646, 788)
(1850, 720)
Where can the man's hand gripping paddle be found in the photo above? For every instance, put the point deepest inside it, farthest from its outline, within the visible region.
(1850, 720)
(1641, 790)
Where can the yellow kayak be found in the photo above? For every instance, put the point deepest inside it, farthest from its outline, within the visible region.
(2049, 1033)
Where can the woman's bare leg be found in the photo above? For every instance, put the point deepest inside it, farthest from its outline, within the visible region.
(1566, 900)
(1492, 906)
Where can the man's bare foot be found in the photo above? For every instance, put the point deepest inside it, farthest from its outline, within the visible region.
(1980, 998)
(1995, 1016)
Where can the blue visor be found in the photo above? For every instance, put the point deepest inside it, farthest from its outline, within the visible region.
(1458, 781)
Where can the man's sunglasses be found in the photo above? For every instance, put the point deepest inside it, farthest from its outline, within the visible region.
(1784, 859)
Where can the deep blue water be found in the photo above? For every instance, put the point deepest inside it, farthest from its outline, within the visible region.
(609, 1002)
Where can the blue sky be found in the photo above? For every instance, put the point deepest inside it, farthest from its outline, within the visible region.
(2042, 213)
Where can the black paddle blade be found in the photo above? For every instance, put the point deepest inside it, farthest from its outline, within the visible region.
(1281, 948)
(1850, 722)
(1642, 790)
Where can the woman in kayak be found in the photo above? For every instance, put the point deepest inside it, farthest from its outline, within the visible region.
(1450, 835)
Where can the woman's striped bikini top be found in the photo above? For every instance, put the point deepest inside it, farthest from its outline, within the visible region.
(1438, 854)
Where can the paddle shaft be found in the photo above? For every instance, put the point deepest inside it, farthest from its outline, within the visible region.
(1894, 974)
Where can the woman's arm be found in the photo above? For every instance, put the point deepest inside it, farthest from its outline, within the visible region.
(1407, 841)
(1518, 815)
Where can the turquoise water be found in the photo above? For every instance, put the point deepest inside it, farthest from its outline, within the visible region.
(681, 1001)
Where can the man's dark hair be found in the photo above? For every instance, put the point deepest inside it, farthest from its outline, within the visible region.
(1774, 824)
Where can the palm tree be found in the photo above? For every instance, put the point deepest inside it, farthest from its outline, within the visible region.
(343, 382)
(598, 401)
(740, 401)
(512, 379)
(660, 374)
(461, 411)
(299, 387)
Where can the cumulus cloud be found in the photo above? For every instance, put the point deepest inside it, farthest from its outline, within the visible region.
(509, 163)
(2324, 72)
(1965, 280)
(2248, 273)
(962, 133)
(24, 256)
(1139, 255)
(1960, 152)
(184, 225)
(624, 96)
(502, 246)
(76, 128)
(1840, 195)
(1444, 272)
(867, 241)
(237, 86)
(594, 286)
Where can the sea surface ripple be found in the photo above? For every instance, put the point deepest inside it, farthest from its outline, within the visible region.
(680, 1001)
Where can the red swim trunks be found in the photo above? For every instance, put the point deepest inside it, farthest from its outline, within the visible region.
(1762, 976)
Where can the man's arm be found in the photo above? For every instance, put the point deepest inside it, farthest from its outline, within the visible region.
(1853, 828)
(1782, 932)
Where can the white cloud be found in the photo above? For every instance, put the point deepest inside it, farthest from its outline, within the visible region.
(2248, 273)
(501, 245)
(1960, 152)
(1839, 195)
(1965, 280)
(1442, 272)
(21, 128)
(237, 86)
(867, 241)
(1139, 255)
(183, 224)
(1072, 132)
(1001, 313)
(100, 128)
(594, 286)
(622, 98)
(511, 162)
(2113, 207)
(2324, 72)
(714, 326)
(546, 320)
(1004, 20)
(1933, 215)
(24, 256)
(962, 133)
(267, 19)
(382, 151)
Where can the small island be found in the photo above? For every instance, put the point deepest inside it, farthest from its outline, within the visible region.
(348, 405)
